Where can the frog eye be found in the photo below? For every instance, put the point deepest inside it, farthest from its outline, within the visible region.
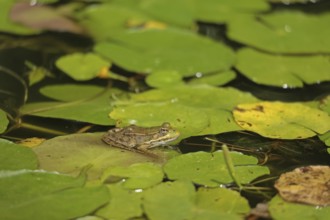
(163, 130)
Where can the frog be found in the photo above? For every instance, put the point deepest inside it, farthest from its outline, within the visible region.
(141, 139)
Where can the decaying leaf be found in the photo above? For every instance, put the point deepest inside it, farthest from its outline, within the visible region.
(282, 120)
(309, 185)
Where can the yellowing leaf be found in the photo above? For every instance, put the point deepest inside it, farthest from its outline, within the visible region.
(282, 120)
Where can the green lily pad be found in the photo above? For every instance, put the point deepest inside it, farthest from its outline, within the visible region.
(71, 153)
(138, 175)
(220, 11)
(125, 48)
(281, 32)
(282, 120)
(214, 79)
(220, 202)
(15, 157)
(81, 66)
(81, 103)
(163, 79)
(3, 121)
(193, 110)
(180, 197)
(174, 12)
(115, 17)
(175, 196)
(283, 71)
(117, 207)
(211, 170)
(41, 195)
(281, 209)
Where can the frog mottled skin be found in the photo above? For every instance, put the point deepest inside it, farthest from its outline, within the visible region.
(137, 138)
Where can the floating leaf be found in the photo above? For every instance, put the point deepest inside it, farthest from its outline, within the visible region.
(214, 79)
(220, 11)
(96, 18)
(81, 66)
(175, 196)
(15, 157)
(280, 209)
(117, 207)
(81, 103)
(163, 79)
(281, 32)
(220, 202)
(211, 170)
(193, 110)
(138, 175)
(283, 71)
(3, 121)
(184, 203)
(71, 153)
(282, 120)
(42, 195)
(305, 185)
(148, 51)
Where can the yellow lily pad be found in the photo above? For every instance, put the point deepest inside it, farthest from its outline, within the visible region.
(282, 120)
(309, 185)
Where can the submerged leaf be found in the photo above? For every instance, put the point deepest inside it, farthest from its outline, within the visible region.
(282, 120)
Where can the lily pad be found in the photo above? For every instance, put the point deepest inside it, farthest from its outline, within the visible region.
(163, 79)
(193, 110)
(81, 103)
(3, 121)
(281, 32)
(281, 209)
(117, 207)
(15, 157)
(41, 195)
(71, 153)
(211, 170)
(184, 203)
(113, 17)
(283, 71)
(138, 175)
(221, 11)
(81, 66)
(282, 120)
(305, 185)
(214, 79)
(147, 51)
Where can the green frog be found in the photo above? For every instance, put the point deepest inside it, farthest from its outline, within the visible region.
(140, 139)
